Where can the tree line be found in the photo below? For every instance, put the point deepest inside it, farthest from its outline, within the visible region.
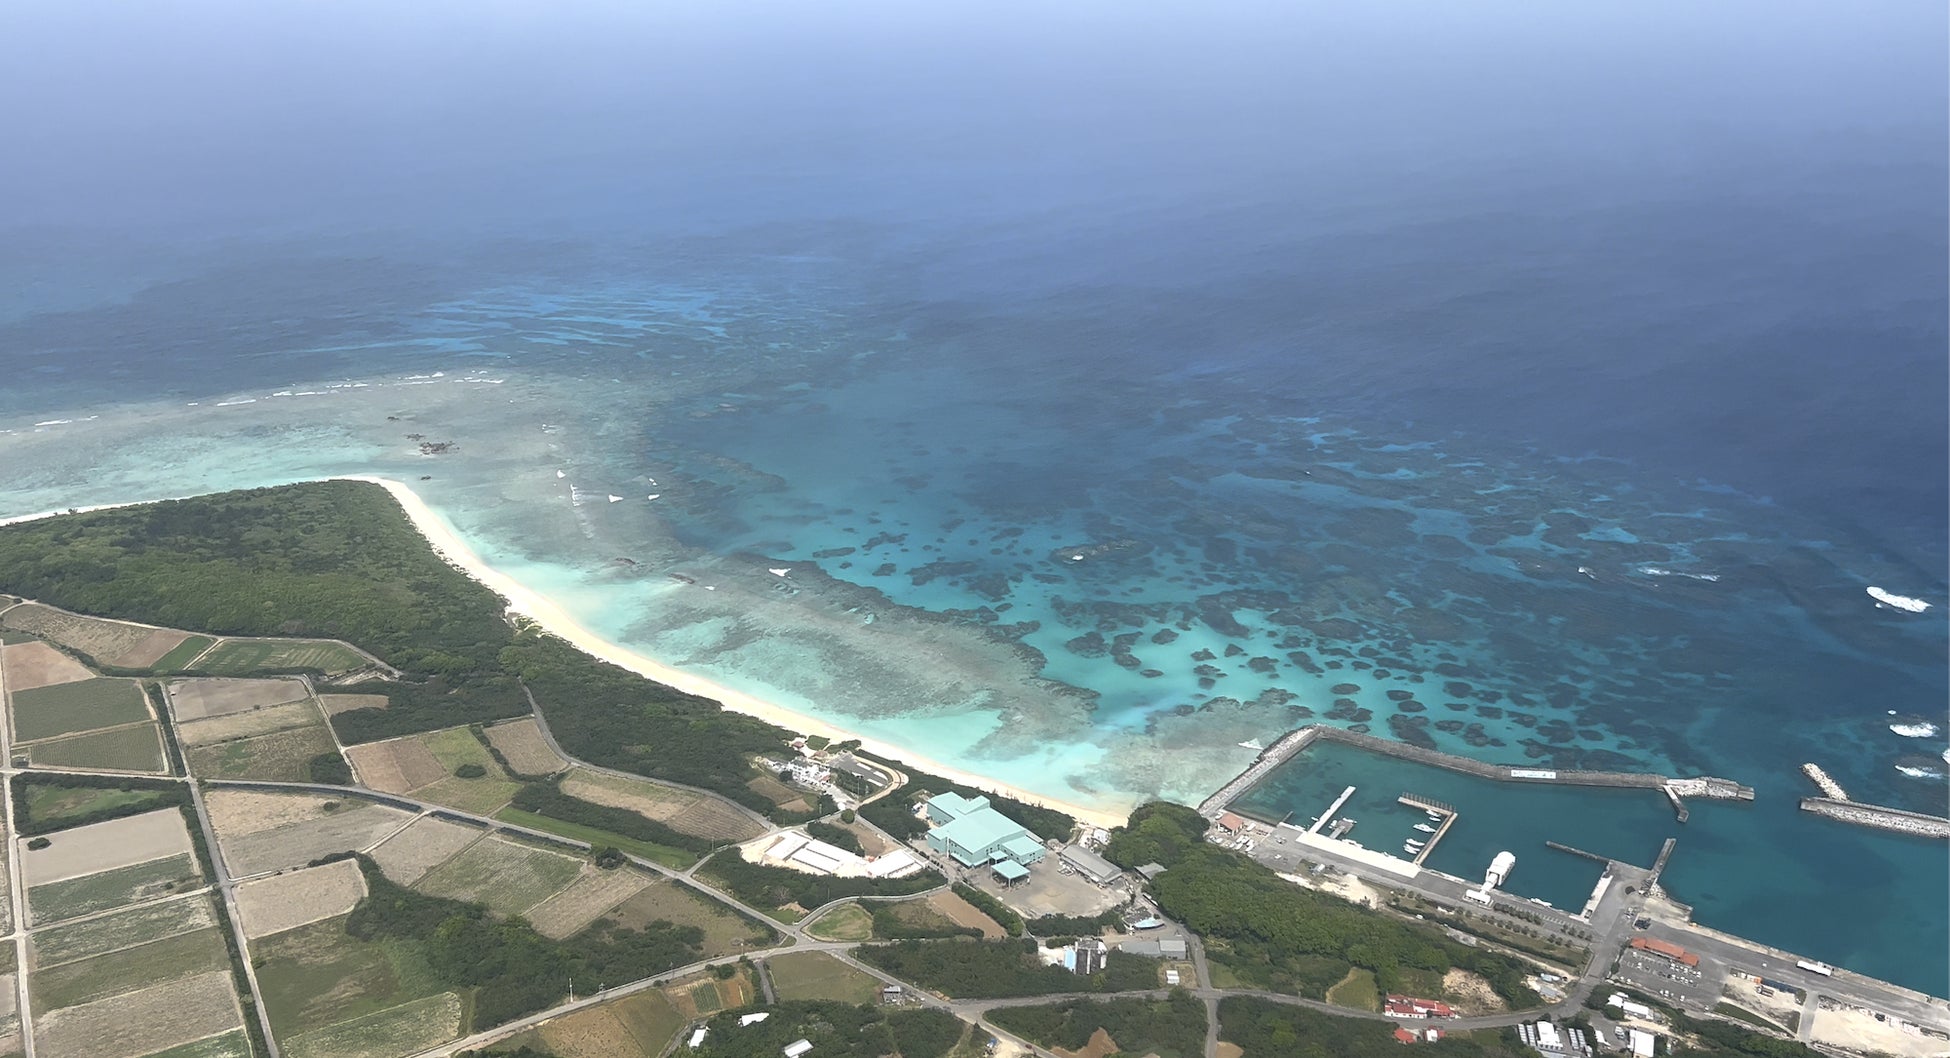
(1001, 968)
(1173, 1027)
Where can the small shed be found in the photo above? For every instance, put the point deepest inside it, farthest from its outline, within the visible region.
(797, 1048)
(1091, 865)
(1151, 870)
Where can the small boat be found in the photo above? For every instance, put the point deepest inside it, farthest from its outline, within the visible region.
(1411, 850)
(1425, 828)
(1413, 844)
(1435, 817)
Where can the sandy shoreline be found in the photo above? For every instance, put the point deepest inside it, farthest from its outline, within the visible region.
(558, 622)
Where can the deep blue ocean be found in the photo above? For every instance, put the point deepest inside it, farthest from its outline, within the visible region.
(1118, 386)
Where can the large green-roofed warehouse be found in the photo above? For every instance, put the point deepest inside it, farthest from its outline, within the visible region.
(974, 834)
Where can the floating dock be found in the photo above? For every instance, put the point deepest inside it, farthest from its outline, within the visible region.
(1328, 816)
(1446, 811)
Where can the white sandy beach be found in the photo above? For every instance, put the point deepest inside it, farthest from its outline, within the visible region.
(555, 620)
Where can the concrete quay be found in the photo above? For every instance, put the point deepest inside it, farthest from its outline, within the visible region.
(1269, 758)
(1880, 817)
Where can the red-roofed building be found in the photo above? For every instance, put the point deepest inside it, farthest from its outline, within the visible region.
(1399, 1006)
(1666, 948)
(1406, 1036)
(1231, 822)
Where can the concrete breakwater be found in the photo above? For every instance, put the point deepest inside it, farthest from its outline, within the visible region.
(1829, 787)
(1299, 739)
(1881, 817)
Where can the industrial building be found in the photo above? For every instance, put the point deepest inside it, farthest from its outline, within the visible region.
(1091, 865)
(1162, 948)
(1666, 948)
(857, 778)
(974, 834)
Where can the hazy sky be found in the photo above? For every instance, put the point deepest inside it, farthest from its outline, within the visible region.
(239, 113)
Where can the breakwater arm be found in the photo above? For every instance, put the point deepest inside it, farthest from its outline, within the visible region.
(1829, 787)
(1879, 816)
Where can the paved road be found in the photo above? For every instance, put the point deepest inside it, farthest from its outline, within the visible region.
(228, 890)
(16, 891)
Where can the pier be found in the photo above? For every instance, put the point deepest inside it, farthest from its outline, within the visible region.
(1606, 860)
(1327, 816)
(1678, 806)
(1447, 812)
(1269, 758)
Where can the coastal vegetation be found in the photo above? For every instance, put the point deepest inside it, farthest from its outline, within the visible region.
(836, 1030)
(895, 815)
(1280, 936)
(1173, 1027)
(339, 560)
(1261, 1028)
(765, 886)
(1001, 968)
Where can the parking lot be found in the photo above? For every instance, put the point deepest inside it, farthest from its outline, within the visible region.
(1696, 988)
(1049, 890)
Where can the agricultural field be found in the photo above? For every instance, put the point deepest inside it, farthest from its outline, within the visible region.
(423, 767)
(780, 794)
(112, 643)
(297, 898)
(318, 977)
(962, 913)
(201, 698)
(70, 708)
(74, 897)
(593, 894)
(521, 742)
(281, 756)
(726, 932)
(180, 656)
(817, 975)
(250, 724)
(131, 748)
(91, 937)
(405, 1029)
(233, 1044)
(421, 847)
(9, 1014)
(33, 664)
(106, 846)
(507, 876)
(258, 832)
(82, 981)
(335, 704)
(638, 1024)
(241, 657)
(687, 811)
(49, 805)
(143, 1022)
(701, 994)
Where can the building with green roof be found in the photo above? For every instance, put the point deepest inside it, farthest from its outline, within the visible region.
(974, 833)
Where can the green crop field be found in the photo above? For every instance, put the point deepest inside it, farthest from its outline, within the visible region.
(63, 709)
(83, 980)
(137, 747)
(507, 877)
(405, 1029)
(317, 976)
(74, 897)
(233, 1044)
(725, 930)
(817, 975)
(676, 859)
(282, 756)
(138, 925)
(240, 657)
(181, 654)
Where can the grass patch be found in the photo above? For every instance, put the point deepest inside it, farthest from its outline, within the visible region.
(281, 756)
(74, 897)
(137, 747)
(1357, 991)
(66, 708)
(845, 922)
(644, 1023)
(181, 655)
(817, 975)
(725, 931)
(242, 657)
(78, 982)
(676, 859)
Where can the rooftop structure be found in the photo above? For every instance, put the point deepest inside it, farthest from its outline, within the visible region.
(1400, 1006)
(1641, 1042)
(1666, 948)
(1091, 865)
(697, 1038)
(753, 1019)
(974, 834)
(1089, 955)
(797, 1048)
(1162, 948)
(851, 775)
(1231, 821)
(1555, 1041)
(1151, 870)
(1009, 872)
